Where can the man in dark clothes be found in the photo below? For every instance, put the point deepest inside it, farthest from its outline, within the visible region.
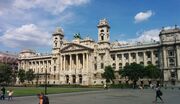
(158, 94)
(3, 93)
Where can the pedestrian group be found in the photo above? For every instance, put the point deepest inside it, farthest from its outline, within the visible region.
(3, 92)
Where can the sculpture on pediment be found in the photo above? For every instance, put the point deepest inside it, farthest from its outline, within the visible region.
(77, 36)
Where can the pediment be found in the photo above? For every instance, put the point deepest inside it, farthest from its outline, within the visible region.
(75, 47)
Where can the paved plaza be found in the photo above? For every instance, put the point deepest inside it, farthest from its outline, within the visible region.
(111, 96)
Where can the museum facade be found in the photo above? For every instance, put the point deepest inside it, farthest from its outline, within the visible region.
(82, 61)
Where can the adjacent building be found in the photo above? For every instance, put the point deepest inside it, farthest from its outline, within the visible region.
(82, 61)
(10, 59)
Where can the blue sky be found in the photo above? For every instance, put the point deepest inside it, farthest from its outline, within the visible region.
(30, 23)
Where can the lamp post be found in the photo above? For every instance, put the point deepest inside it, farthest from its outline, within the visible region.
(45, 86)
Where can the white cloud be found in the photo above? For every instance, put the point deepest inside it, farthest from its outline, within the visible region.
(26, 36)
(142, 16)
(1, 13)
(53, 6)
(148, 36)
(27, 19)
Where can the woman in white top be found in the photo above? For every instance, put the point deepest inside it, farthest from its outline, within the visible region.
(10, 93)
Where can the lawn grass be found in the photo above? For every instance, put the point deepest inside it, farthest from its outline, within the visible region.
(31, 91)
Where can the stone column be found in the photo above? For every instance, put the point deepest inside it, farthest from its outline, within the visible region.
(164, 58)
(137, 58)
(77, 79)
(152, 58)
(116, 61)
(77, 62)
(61, 63)
(144, 58)
(123, 61)
(64, 62)
(70, 59)
(178, 75)
(177, 56)
(87, 61)
(83, 61)
(129, 56)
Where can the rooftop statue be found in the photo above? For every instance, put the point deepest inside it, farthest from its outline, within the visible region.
(77, 36)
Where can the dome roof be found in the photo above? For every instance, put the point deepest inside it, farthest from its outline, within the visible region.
(59, 31)
(103, 22)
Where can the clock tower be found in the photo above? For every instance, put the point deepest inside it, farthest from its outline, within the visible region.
(103, 31)
(57, 38)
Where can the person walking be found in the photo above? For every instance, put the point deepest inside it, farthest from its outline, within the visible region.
(43, 99)
(40, 98)
(158, 94)
(10, 94)
(3, 90)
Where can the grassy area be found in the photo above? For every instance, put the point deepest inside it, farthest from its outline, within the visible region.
(27, 91)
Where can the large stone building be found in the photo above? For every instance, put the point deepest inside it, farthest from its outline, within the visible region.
(83, 60)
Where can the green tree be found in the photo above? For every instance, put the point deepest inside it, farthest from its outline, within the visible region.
(21, 75)
(108, 74)
(133, 72)
(152, 72)
(30, 75)
(5, 73)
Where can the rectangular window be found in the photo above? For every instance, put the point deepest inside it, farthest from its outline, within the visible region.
(49, 62)
(171, 62)
(54, 68)
(148, 54)
(101, 56)
(54, 61)
(171, 53)
(95, 66)
(133, 56)
(102, 65)
(126, 56)
(156, 53)
(95, 58)
(113, 57)
(119, 56)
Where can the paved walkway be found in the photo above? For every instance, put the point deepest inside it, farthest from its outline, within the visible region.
(111, 96)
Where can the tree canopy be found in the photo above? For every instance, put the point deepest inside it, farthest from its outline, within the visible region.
(152, 71)
(6, 73)
(133, 72)
(108, 74)
(21, 75)
(30, 75)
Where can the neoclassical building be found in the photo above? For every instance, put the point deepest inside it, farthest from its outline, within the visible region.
(82, 61)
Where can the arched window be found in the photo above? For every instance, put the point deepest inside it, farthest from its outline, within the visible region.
(55, 44)
(102, 36)
(149, 62)
(102, 30)
(142, 63)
